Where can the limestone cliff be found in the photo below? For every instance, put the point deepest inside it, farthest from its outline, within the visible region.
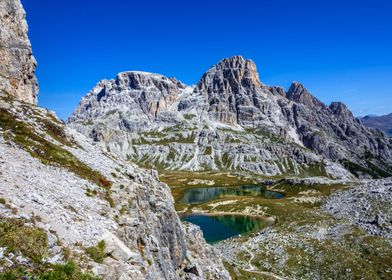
(17, 63)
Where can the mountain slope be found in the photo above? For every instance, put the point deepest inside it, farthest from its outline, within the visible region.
(54, 179)
(229, 121)
(383, 123)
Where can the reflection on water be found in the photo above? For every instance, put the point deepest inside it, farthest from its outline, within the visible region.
(217, 228)
(200, 195)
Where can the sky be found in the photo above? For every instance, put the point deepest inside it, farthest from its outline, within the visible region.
(340, 50)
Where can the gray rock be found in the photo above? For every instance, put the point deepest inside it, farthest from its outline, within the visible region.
(368, 205)
(17, 63)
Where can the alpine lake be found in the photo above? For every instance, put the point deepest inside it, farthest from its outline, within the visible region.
(226, 206)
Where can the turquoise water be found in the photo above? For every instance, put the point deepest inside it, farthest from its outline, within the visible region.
(200, 195)
(218, 228)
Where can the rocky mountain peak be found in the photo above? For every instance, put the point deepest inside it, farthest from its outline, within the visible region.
(298, 93)
(230, 87)
(340, 109)
(17, 63)
(141, 80)
(229, 74)
(145, 94)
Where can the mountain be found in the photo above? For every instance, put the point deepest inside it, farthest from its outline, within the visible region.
(229, 121)
(383, 123)
(68, 209)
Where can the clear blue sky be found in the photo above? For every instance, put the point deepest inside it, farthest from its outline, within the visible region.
(340, 50)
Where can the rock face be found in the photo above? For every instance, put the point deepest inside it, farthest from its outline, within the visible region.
(143, 95)
(383, 123)
(231, 121)
(17, 64)
(231, 88)
(298, 93)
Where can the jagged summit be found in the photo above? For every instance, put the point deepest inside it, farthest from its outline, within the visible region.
(232, 88)
(231, 72)
(143, 94)
(139, 79)
(340, 109)
(298, 93)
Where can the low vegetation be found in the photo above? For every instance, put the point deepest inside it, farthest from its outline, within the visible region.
(22, 134)
(17, 237)
(67, 271)
(21, 238)
(97, 253)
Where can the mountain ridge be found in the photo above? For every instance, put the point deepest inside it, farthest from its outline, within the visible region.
(384, 123)
(229, 95)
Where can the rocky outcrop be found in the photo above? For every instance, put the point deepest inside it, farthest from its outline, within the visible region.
(335, 133)
(230, 121)
(298, 93)
(17, 63)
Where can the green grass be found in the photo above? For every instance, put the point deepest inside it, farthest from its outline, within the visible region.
(67, 271)
(32, 242)
(371, 169)
(189, 116)
(17, 237)
(208, 151)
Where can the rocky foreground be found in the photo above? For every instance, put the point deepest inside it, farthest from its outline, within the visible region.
(368, 206)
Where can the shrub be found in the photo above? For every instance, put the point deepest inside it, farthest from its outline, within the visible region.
(97, 253)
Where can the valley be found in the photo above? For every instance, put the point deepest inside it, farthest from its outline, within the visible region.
(254, 166)
(295, 237)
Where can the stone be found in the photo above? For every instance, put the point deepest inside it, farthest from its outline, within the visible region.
(17, 63)
(118, 249)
